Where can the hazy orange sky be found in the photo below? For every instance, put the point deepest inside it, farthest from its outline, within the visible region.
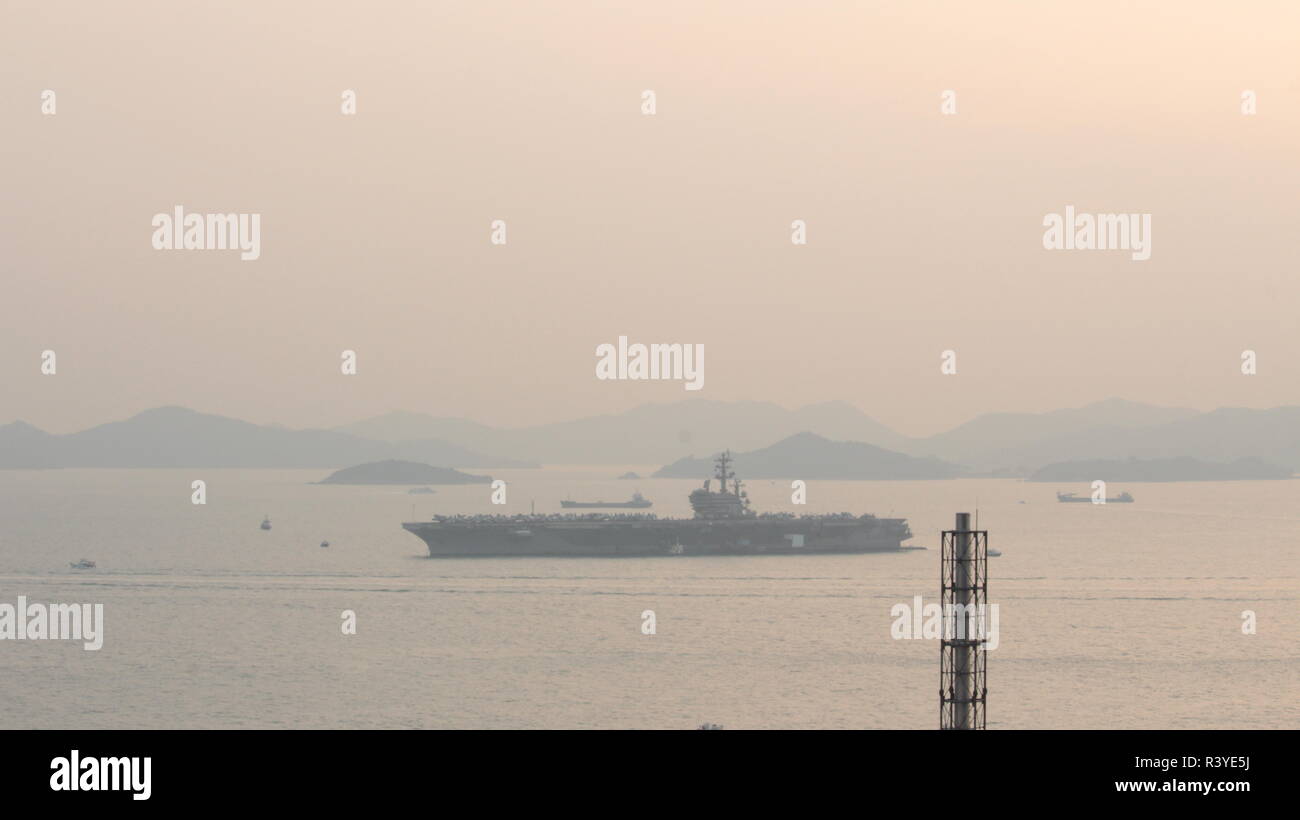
(925, 231)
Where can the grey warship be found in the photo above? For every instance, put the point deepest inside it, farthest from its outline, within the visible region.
(723, 524)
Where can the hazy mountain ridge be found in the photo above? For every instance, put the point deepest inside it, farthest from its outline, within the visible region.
(1015, 444)
(1007, 440)
(1222, 435)
(1010, 443)
(810, 456)
(647, 434)
(1162, 469)
(178, 437)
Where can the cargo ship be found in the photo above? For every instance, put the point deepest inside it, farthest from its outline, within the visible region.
(723, 524)
(637, 501)
(1071, 498)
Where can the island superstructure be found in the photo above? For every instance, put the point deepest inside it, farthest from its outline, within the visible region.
(723, 524)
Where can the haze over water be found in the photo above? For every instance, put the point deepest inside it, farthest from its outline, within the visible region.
(924, 230)
(1122, 616)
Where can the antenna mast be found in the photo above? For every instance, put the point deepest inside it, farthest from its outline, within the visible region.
(964, 589)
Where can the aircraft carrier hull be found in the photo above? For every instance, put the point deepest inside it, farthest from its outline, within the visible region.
(753, 536)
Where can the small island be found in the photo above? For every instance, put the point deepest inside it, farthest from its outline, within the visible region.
(629, 476)
(402, 472)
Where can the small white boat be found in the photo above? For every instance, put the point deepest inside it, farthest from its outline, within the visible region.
(266, 523)
(83, 564)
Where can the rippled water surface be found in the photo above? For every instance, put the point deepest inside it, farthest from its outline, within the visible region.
(1122, 616)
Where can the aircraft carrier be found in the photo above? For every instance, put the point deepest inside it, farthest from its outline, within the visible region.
(723, 524)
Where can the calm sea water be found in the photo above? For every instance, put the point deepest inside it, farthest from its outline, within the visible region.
(1122, 616)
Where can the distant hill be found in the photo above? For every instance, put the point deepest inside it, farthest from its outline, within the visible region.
(1161, 469)
(1222, 435)
(404, 426)
(1002, 444)
(1025, 441)
(177, 437)
(402, 472)
(23, 446)
(651, 433)
(809, 456)
(1009, 443)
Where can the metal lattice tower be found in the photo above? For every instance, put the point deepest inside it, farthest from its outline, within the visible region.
(963, 666)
